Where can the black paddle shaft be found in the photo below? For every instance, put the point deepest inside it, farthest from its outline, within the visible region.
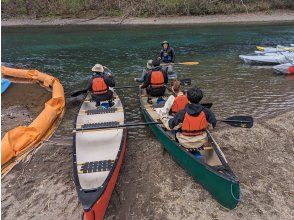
(119, 126)
(239, 121)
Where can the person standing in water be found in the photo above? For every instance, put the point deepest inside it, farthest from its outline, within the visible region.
(99, 85)
(167, 56)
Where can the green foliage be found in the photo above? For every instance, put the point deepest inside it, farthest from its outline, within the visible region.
(146, 8)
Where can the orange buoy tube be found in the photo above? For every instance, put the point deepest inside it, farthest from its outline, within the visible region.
(23, 138)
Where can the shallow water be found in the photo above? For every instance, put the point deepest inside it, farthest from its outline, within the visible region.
(69, 53)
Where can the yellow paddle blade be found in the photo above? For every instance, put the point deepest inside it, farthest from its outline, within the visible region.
(260, 48)
(289, 49)
(189, 63)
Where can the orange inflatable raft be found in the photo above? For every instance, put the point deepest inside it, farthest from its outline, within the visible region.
(18, 142)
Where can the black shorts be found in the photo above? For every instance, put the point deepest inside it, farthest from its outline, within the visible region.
(155, 92)
(103, 97)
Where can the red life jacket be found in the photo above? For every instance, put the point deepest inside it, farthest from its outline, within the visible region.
(99, 86)
(194, 125)
(291, 69)
(157, 79)
(179, 103)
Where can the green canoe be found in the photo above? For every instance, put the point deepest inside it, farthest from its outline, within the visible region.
(211, 169)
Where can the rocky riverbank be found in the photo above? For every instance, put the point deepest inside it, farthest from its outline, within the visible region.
(258, 17)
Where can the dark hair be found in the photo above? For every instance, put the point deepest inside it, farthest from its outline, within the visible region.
(156, 62)
(194, 95)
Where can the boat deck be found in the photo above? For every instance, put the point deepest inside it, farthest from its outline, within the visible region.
(96, 150)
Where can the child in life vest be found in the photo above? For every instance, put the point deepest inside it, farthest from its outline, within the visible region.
(99, 85)
(175, 102)
(192, 121)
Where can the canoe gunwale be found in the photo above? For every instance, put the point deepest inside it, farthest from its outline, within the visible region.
(89, 197)
(227, 191)
(229, 175)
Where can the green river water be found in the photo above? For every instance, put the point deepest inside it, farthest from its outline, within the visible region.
(69, 53)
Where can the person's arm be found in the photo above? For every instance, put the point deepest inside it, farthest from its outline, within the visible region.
(160, 55)
(142, 78)
(109, 80)
(146, 82)
(167, 106)
(179, 118)
(107, 70)
(210, 117)
(173, 55)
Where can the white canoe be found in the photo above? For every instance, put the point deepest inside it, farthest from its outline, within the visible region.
(276, 49)
(267, 58)
(97, 155)
(283, 68)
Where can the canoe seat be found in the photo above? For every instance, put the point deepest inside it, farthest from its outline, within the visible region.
(97, 125)
(96, 166)
(101, 111)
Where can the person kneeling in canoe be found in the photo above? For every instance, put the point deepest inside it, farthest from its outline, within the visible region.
(167, 55)
(155, 81)
(175, 102)
(99, 85)
(192, 121)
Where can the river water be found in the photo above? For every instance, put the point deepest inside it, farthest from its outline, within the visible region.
(69, 53)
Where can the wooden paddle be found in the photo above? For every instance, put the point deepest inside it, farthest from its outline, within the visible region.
(189, 63)
(236, 121)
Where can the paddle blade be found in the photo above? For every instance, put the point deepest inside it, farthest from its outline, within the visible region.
(207, 105)
(189, 63)
(77, 93)
(186, 82)
(260, 48)
(240, 121)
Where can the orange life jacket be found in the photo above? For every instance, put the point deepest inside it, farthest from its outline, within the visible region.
(179, 103)
(99, 86)
(157, 79)
(194, 125)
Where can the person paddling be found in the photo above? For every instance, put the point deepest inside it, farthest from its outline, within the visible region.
(167, 56)
(145, 72)
(192, 121)
(155, 81)
(99, 85)
(175, 102)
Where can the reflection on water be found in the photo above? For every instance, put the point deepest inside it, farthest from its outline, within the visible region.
(69, 52)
